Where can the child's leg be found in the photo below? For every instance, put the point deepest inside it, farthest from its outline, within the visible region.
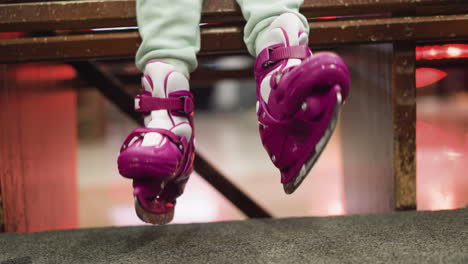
(170, 32)
(261, 13)
(159, 156)
(299, 94)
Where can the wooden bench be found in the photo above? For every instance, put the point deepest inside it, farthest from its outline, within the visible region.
(378, 123)
(406, 20)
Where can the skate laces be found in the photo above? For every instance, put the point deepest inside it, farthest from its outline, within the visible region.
(276, 76)
(141, 131)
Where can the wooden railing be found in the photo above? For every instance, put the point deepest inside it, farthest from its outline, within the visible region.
(372, 21)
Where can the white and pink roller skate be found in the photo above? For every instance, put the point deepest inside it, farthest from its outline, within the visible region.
(159, 157)
(299, 98)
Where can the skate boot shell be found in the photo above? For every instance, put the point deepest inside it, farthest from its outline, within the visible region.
(159, 157)
(299, 98)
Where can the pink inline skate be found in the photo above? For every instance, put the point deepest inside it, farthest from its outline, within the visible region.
(299, 98)
(159, 157)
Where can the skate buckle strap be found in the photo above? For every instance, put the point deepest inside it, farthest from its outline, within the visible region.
(141, 131)
(177, 101)
(271, 55)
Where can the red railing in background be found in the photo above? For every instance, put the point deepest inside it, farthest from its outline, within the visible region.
(428, 76)
(448, 51)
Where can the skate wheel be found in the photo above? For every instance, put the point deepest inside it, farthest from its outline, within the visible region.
(154, 218)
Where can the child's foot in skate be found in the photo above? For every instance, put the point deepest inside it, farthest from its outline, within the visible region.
(159, 156)
(299, 98)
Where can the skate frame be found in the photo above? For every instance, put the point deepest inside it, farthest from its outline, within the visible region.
(390, 141)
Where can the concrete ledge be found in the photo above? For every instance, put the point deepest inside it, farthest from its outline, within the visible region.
(403, 237)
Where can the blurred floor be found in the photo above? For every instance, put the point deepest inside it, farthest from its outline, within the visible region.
(442, 152)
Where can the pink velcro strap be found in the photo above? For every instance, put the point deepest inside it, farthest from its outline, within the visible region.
(278, 52)
(293, 52)
(148, 103)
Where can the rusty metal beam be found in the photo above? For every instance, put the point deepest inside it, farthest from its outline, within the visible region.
(404, 125)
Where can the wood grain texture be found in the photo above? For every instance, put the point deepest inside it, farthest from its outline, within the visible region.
(38, 143)
(228, 39)
(83, 14)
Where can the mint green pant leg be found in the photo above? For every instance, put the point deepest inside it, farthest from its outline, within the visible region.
(259, 15)
(170, 32)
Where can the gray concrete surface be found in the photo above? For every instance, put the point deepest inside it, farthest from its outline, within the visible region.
(403, 237)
